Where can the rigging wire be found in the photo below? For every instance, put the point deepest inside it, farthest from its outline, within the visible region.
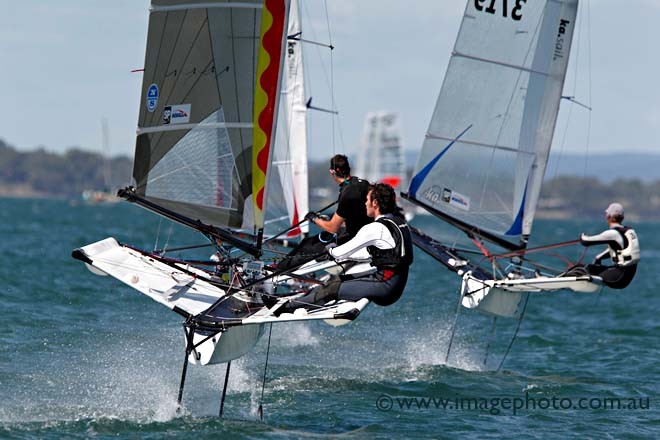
(573, 92)
(169, 235)
(589, 87)
(160, 221)
(332, 76)
(522, 314)
(322, 63)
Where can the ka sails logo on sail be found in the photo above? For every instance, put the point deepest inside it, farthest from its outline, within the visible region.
(559, 45)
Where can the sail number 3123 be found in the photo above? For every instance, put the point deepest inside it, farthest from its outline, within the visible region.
(489, 6)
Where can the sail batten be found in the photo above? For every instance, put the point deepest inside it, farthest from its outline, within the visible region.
(479, 144)
(208, 126)
(209, 5)
(504, 79)
(501, 64)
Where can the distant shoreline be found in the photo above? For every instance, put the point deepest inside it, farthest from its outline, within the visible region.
(23, 191)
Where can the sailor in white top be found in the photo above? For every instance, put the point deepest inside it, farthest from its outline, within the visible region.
(383, 251)
(622, 247)
(374, 234)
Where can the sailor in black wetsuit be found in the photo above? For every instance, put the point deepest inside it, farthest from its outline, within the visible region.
(351, 212)
(350, 205)
(622, 248)
(383, 250)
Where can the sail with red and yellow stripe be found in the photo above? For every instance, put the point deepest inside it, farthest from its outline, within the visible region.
(267, 86)
(209, 109)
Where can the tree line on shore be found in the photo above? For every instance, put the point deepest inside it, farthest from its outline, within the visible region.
(60, 175)
(69, 174)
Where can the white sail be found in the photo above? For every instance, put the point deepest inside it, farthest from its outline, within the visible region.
(381, 157)
(486, 149)
(290, 155)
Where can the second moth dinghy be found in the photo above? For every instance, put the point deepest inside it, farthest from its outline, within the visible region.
(484, 157)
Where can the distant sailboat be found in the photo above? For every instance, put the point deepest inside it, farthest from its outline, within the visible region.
(104, 195)
(208, 156)
(482, 164)
(381, 158)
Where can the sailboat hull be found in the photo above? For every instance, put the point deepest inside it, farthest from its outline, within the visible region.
(182, 288)
(482, 296)
(225, 346)
(505, 298)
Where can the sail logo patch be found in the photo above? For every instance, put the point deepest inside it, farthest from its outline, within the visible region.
(176, 114)
(559, 44)
(436, 196)
(152, 97)
(458, 200)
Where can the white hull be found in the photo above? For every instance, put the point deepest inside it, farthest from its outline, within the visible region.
(174, 287)
(505, 298)
(226, 346)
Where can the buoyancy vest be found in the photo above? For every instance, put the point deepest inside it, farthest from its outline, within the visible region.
(399, 258)
(629, 254)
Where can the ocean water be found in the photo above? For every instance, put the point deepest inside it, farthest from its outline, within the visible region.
(83, 356)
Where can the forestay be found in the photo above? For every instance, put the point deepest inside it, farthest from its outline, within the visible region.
(211, 70)
(486, 149)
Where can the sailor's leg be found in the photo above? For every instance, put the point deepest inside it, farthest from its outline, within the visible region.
(307, 249)
(318, 295)
(617, 277)
(596, 269)
(375, 288)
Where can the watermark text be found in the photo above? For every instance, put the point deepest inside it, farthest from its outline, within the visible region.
(512, 405)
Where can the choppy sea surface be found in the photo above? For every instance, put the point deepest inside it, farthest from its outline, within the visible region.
(83, 356)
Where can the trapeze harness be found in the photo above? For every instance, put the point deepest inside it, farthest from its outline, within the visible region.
(386, 285)
(625, 259)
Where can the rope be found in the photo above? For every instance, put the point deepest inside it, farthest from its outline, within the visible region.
(160, 221)
(536, 249)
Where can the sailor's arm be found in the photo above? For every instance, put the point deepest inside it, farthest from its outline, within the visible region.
(601, 256)
(609, 238)
(332, 225)
(606, 237)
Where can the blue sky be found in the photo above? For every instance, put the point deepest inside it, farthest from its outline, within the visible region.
(66, 65)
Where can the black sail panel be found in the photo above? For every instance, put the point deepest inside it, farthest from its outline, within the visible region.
(193, 150)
